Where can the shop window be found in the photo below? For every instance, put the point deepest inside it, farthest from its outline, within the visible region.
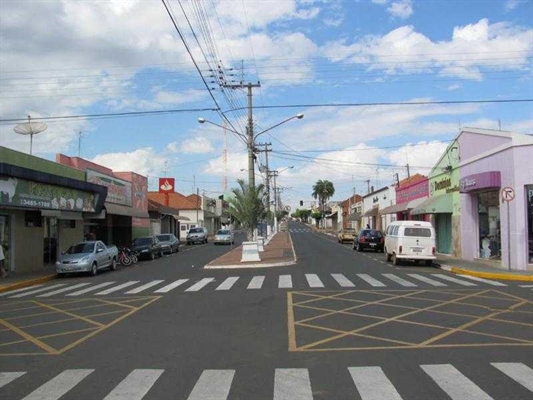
(489, 225)
(33, 219)
(529, 193)
(183, 227)
(68, 223)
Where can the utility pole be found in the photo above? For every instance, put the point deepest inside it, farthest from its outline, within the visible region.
(266, 151)
(274, 174)
(408, 173)
(368, 186)
(79, 144)
(225, 158)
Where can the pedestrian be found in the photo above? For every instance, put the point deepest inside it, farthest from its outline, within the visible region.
(3, 272)
(367, 226)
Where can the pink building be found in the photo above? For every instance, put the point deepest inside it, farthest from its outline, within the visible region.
(410, 193)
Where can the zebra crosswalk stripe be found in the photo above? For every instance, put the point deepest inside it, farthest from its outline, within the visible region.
(314, 281)
(170, 286)
(285, 282)
(7, 377)
(67, 289)
(58, 386)
(213, 384)
(373, 384)
(199, 285)
(135, 385)
(342, 280)
(487, 281)
(371, 281)
(90, 289)
(43, 289)
(117, 288)
(454, 383)
(399, 280)
(425, 279)
(454, 280)
(519, 372)
(292, 384)
(256, 282)
(144, 287)
(228, 283)
(20, 290)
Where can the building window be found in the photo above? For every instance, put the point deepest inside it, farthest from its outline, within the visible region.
(68, 223)
(529, 192)
(183, 227)
(489, 225)
(33, 219)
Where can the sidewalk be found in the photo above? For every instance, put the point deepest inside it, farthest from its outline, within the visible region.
(17, 281)
(278, 252)
(481, 269)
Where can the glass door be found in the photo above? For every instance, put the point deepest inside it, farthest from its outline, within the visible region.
(50, 240)
(5, 240)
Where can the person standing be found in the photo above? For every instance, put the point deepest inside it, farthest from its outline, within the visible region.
(3, 272)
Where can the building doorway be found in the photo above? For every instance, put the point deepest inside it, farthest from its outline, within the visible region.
(5, 241)
(490, 243)
(51, 239)
(443, 224)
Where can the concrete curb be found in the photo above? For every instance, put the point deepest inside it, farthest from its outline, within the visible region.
(487, 275)
(29, 282)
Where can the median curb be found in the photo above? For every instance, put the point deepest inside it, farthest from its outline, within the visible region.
(26, 283)
(487, 275)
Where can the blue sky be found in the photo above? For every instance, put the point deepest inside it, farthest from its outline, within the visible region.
(120, 56)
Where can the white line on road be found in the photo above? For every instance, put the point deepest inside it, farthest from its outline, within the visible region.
(171, 286)
(313, 280)
(454, 280)
(228, 283)
(6, 377)
(488, 281)
(44, 289)
(199, 285)
(58, 386)
(371, 281)
(20, 290)
(213, 385)
(517, 371)
(116, 288)
(373, 384)
(67, 289)
(425, 279)
(285, 282)
(90, 289)
(256, 282)
(292, 384)
(526, 286)
(399, 280)
(342, 280)
(454, 383)
(144, 287)
(135, 385)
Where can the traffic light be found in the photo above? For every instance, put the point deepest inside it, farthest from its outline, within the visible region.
(301, 203)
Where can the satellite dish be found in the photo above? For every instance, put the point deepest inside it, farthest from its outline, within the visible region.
(29, 128)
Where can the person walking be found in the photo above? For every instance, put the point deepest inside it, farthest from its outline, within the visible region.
(3, 272)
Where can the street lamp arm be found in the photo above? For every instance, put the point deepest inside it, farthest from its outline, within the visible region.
(203, 120)
(298, 116)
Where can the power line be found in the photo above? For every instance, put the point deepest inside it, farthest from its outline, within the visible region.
(370, 147)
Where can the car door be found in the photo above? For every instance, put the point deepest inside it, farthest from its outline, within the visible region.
(101, 256)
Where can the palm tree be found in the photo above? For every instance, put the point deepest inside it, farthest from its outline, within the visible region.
(248, 206)
(323, 190)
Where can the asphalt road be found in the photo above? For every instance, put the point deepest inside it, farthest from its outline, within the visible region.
(338, 325)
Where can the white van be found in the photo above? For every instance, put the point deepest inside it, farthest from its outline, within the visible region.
(410, 240)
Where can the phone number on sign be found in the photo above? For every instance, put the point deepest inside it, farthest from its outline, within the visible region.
(35, 203)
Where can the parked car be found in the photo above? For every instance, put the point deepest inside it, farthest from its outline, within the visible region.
(369, 239)
(147, 247)
(410, 240)
(89, 256)
(169, 243)
(346, 235)
(197, 235)
(224, 236)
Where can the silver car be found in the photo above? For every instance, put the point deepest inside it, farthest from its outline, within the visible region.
(224, 236)
(197, 235)
(89, 257)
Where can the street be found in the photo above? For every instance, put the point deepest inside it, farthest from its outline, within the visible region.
(337, 325)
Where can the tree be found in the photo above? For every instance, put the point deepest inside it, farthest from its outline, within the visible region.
(248, 206)
(323, 190)
(301, 214)
(317, 215)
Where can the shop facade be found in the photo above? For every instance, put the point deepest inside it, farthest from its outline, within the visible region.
(493, 229)
(410, 193)
(373, 205)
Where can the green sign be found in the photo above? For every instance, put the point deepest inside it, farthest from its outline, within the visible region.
(21, 193)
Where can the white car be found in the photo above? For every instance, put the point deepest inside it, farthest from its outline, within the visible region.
(410, 240)
(224, 236)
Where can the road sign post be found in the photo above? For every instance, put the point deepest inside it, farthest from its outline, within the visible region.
(508, 195)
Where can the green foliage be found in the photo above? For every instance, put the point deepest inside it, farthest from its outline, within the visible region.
(323, 190)
(302, 214)
(248, 206)
(317, 215)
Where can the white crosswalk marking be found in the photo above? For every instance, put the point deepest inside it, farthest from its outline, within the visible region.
(7, 377)
(144, 287)
(90, 289)
(135, 385)
(487, 281)
(20, 290)
(454, 383)
(371, 281)
(117, 288)
(399, 280)
(425, 279)
(58, 386)
(173, 285)
(43, 289)
(313, 280)
(521, 373)
(256, 282)
(285, 282)
(200, 284)
(454, 280)
(67, 289)
(214, 384)
(373, 384)
(292, 384)
(228, 283)
(342, 280)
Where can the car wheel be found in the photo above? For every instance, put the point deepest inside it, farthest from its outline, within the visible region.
(429, 263)
(359, 248)
(60, 275)
(114, 264)
(395, 260)
(152, 256)
(94, 269)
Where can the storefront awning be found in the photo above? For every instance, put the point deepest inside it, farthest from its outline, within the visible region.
(372, 212)
(442, 204)
(117, 209)
(395, 208)
(354, 216)
(179, 217)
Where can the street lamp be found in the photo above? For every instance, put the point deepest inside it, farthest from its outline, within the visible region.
(275, 173)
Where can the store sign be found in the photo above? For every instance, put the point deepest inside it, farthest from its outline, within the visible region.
(443, 184)
(412, 192)
(483, 180)
(21, 193)
(118, 190)
(166, 185)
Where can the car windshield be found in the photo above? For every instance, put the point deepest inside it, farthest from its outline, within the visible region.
(420, 232)
(81, 248)
(164, 238)
(141, 241)
(196, 230)
(223, 232)
(371, 233)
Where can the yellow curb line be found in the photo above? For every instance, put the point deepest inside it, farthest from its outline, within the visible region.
(29, 282)
(492, 275)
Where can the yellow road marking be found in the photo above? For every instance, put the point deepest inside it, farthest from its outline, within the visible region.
(90, 321)
(440, 346)
(290, 323)
(29, 338)
(51, 336)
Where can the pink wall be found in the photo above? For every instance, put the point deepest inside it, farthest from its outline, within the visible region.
(472, 144)
(412, 192)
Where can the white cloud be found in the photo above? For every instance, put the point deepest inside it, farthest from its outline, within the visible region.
(196, 145)
(401, 9)
(379, 1)
(512, 4)
(174, 97)
(236, 162)
(454, 86)
(422, 154)
(145, 161)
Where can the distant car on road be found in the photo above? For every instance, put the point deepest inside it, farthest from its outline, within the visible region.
(169, 243)
(89, 256)
(346, 235)
(147, 247)
(197, 235)
(224, 236)
(369, 239)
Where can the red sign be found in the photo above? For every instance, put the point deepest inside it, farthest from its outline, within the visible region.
(166, 185)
